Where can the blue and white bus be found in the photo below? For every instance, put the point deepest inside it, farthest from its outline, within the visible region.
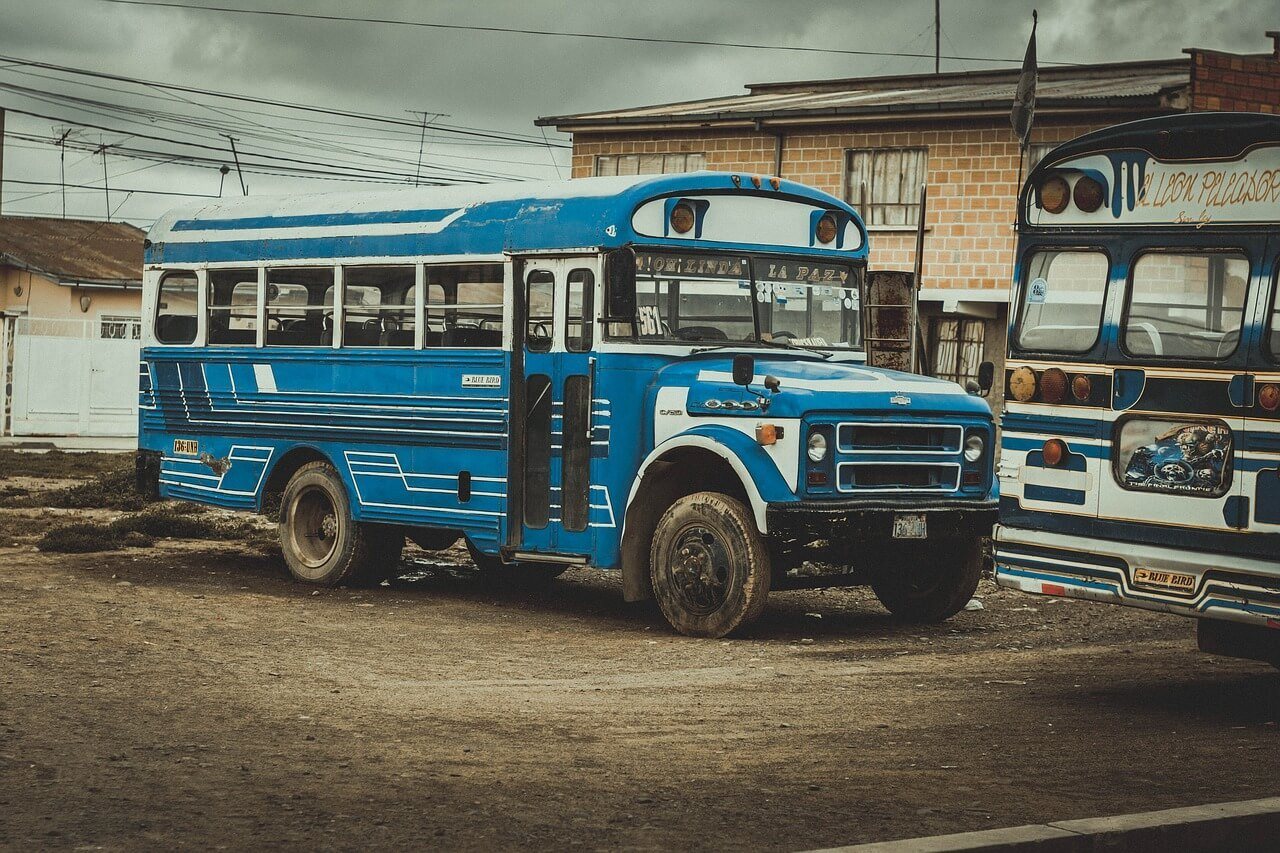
(661, 375)
(1141, 441)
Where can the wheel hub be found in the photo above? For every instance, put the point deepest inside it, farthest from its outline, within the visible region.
(700, 568)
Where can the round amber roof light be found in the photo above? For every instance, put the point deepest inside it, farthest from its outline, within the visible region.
(682, 218)
(1054, 194)
(826, 230)
(1088, 194)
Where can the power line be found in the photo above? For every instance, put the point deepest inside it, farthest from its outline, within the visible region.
(311, 108)
(558, 33)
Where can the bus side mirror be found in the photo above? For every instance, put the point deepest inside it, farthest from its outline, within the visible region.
(620, 286)
(986, 377)
(744, 369)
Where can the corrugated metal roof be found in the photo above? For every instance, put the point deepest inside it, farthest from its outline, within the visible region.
(1150, 83)
(73, 249)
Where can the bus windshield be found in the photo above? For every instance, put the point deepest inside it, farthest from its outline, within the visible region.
(1186, 305)
(1062, 301)
(737, 298)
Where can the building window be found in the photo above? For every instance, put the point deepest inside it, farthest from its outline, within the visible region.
(648, 164)
(884, 184)
(958, 346)
(119, 328)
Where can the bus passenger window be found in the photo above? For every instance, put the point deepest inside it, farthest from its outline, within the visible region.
(579, 310)
(233, 307)
(299, 307)
(1186, 305)
(1274, 326)
(379, 306)
(540, 302)
(464, 305)
(176, 309)
(1062, 298)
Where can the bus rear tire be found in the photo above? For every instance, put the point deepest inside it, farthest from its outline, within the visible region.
(928, 581)
(321, 541)
(709, 566)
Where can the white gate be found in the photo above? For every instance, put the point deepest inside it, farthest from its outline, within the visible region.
(76, 377)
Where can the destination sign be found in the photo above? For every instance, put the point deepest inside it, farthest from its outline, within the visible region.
(737, 267)
(1141, 190)
(694, 266)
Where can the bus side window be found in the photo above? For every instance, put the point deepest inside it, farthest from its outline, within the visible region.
(233, 307)
(378, 309)
(176, 317)
(579, 311)
(299, 307)
(540, 292)
(1274, 326)
(464, 305)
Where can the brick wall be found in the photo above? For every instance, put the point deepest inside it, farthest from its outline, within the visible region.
(971, 172)
(1226, 81)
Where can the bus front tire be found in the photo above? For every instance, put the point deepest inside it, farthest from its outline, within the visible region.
(928, 581)
(321, 541)
(709, 566)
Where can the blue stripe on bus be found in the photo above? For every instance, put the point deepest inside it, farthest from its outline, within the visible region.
(315, 220)
(1076, 427)
(1093, 451)
(1053, 494)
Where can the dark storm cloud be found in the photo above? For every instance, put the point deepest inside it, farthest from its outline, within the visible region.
(504, 81)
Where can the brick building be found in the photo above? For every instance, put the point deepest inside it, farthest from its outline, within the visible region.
(873, 141)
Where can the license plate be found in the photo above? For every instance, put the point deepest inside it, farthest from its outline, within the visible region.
(1179, 582)
(909, 525)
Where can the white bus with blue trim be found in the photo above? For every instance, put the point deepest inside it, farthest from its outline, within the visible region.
(1141, 440)
(660, 375)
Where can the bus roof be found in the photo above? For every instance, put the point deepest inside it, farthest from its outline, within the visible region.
(1190, 170)
(491, 219)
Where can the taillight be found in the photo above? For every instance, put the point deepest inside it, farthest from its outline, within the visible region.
(1054, 452)
(1088, 194)
(1081, 387)
(1269, 397)
(1022, 384)
(1054, 194)
(1053, 385)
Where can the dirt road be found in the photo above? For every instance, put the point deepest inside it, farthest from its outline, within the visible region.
(189, 694)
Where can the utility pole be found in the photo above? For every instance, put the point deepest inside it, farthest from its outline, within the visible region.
(937, 36)
(106, 187)
(244, 190)
(1, 151)
(422, 139)
(62, 168)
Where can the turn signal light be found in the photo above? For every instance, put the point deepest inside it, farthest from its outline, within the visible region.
(767, 434)
(1054, 452)
(1269, 397)
(1081, 387)
(826, 230)
(1054, 194)
(1053, 385)
(682, 218)
(1087, 194)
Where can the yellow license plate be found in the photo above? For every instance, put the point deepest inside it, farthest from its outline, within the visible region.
(1172, 581)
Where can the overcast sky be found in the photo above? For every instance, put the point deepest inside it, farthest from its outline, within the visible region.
(500, 82)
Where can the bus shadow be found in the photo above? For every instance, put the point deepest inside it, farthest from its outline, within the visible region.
(1240, 699)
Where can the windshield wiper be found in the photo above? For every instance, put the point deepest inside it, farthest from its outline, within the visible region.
(796, 347)
(763, 343)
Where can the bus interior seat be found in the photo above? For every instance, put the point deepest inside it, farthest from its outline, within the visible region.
(472, 337)
(1228, 344)
(233, 336)
(175, 328)
(1143, 339)
(397, 338)
(361, 334)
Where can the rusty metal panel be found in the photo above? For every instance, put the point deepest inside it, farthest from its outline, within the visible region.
(889, 307)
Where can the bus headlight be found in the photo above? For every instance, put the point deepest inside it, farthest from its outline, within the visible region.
(973, 447)
(817, 450)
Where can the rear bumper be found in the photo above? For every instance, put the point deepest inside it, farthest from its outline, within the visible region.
(846, 523)
(1237, 589)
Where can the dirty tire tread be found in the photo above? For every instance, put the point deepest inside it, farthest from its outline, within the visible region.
(752, 568)
(944, 601)
(364, 554)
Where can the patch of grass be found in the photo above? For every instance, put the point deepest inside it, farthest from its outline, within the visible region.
(60, 464)
(167, 521)
(111, 490)
(83, 538)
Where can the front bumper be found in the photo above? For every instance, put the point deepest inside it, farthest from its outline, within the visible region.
(1233, 588)
(845, 524)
